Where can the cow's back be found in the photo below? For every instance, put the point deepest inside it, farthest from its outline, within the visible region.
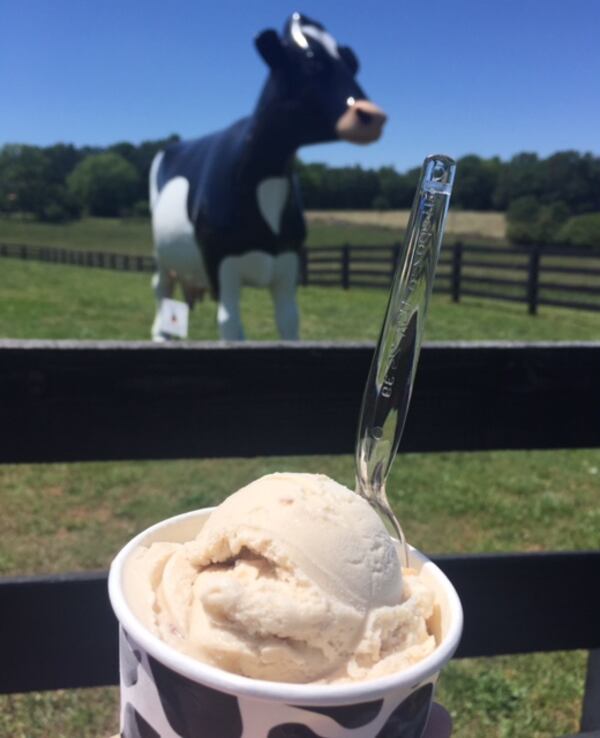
(211, 166)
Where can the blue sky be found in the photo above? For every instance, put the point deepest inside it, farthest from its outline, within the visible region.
(492, 77)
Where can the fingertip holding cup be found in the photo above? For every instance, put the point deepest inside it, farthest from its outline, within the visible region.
(167, 694)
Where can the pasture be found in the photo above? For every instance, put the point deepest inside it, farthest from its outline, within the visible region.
(325, 228)
(71, 517)
(462, 224)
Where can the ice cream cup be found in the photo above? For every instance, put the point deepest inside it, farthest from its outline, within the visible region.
(168, 694)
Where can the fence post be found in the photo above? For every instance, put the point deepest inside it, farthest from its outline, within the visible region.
(304, 266)
(345, 266)
(533, 279)
(23, 252)
(457, 255)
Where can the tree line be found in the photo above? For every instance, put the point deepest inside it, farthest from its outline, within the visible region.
(540, 195)
(63, 182)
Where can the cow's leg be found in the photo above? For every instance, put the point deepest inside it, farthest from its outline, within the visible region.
(283, 291)
(229, 318)
(162, 284)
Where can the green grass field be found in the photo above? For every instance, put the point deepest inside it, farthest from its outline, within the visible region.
(134, 236)
(75, 516)
(41, 300)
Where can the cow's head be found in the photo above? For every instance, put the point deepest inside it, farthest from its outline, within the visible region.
(310, 67)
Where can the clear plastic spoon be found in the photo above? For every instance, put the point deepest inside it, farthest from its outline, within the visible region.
(389, 386)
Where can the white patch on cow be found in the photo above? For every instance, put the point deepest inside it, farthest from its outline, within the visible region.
(177, 251)
(296, 32)
(153, 183)
(271, 195)
(258, 269)
(325, 39)
(178, 257)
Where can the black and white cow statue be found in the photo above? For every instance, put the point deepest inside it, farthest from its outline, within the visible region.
(226, 208)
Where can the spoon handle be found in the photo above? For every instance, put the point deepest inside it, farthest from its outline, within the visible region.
(389, 386)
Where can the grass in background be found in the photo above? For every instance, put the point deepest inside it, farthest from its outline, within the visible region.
(449, 503)
(134, 236)
(129, 236)
(464, 224)
(39, 300)
(360, 228)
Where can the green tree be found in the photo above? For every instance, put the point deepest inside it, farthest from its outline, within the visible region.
(396, 189)
(520, 177)
(522, 216)
(62, 159)
(581, 230)
(476, 182)
(569, 176)
(141, 158)
(310, 177)
(104, 184)
(531, 222)
(24, 175)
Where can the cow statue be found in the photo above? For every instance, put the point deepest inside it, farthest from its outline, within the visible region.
(226, 208)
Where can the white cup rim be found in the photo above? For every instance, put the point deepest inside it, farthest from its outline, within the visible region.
(299, 694)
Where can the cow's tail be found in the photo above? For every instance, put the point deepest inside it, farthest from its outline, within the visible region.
(153, 178)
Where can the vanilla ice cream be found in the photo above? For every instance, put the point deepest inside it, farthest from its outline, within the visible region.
(293, 578)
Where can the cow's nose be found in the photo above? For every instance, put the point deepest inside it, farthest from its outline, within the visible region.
(362, 122)
(369, 113)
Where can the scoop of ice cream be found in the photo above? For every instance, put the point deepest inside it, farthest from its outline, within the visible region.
(293, 578)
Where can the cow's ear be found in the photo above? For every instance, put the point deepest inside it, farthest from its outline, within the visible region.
(349, 57)
(270, 48)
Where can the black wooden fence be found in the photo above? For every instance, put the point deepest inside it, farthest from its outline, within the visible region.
(536, 275)
(98, 259)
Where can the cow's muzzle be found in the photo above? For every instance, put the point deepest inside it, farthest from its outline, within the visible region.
(361, 123)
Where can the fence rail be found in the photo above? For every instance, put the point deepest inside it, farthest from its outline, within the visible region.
(536, 275)
(65, 401)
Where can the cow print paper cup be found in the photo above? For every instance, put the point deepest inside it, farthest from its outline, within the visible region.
(165, 693)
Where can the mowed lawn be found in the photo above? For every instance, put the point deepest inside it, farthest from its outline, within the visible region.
(39, 300)
(71, 517)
